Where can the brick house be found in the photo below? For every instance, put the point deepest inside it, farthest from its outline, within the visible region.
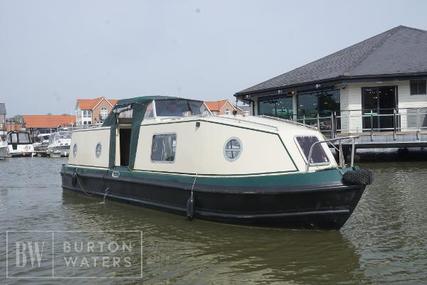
(222, 107)
(93, 111)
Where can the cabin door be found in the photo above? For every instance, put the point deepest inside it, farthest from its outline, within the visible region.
(124, 145)
(378, 105)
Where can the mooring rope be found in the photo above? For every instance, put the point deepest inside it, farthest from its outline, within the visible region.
(190, 202)
(80, 184)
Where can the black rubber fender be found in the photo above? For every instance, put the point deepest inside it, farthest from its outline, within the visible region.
(358, 177)
(190, 208)
(74, 179)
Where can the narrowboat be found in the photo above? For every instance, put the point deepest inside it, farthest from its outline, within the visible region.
(19, 143)
(172, 154)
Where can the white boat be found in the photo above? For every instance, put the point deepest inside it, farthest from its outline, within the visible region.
(4, 152)
(172, 154)
(41, 143)
(19, 144)
(59, 144)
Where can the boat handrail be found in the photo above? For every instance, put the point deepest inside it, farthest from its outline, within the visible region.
(339, 149)
(287, 121)
(248, 121)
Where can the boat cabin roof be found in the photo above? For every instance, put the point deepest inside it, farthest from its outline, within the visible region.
(145, 100)
(154, 106)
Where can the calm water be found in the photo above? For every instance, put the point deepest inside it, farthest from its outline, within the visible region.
(385, 241)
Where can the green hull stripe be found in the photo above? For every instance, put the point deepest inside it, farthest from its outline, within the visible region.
(324, 177)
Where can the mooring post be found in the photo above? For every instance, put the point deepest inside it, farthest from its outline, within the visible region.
(418, 124)
(394, 124)
(332, 126)
(318, 122)
(372, 126)
(353, 149)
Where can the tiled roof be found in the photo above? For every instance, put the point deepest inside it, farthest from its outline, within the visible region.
(48, 121)
(89, 104)
(215, 105)
(401, 50)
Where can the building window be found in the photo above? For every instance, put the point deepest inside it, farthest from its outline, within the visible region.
(87, 113)
(103, 113)
(318, 155)
(163, 147)
(278, 107)
(324, 103)
(418, 87)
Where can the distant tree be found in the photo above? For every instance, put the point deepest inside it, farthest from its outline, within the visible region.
(18, 119)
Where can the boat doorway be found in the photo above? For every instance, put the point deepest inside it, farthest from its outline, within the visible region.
(125, 136)
(378, 106)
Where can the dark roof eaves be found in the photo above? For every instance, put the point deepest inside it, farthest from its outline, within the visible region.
(332, 79)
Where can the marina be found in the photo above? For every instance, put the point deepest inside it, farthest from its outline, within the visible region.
(236, 142)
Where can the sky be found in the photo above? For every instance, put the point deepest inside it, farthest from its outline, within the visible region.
(53, 51)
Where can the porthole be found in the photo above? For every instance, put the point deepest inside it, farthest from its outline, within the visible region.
(232, 149)
(98, 149)
(74, 150)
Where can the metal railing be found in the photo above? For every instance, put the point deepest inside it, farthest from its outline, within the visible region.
(286, 120)
(341, 156)
(367, 121)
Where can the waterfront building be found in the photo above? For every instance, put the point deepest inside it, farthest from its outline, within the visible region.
(222, 107)
(377, 85)
(93, 111)
(39, 124)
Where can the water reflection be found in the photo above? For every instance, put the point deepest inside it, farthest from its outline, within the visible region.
(177, 250)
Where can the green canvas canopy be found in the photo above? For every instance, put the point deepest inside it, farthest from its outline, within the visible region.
(138, 106)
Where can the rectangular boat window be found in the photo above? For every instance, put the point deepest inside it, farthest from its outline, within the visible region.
(12, 138)
(318, 155)
(179, 108)
(163, 147)
(23, 138)
(149, 112)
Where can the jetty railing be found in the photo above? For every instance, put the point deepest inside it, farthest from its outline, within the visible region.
(330, 142)
(369, 121)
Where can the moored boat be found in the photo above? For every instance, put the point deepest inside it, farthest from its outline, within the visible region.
(4, 152)
(172, 154)
(19, 143)
(59, 144)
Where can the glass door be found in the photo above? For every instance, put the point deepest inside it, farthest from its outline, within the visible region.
(378, 105)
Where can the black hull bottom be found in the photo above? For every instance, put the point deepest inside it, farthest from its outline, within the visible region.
(325, 207)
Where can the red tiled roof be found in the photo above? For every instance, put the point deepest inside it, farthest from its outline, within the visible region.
(89, 104)
(215, 105)
(48, 121)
